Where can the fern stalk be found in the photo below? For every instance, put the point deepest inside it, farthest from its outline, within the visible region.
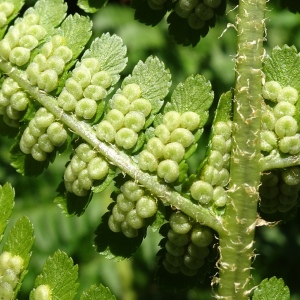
(236, 240)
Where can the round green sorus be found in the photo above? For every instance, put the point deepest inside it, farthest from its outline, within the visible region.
(147, 161)
(215, 159)
(173, 249)
(180, 222)
(102, 78)
(69, 175)
(19, 56)
(146, 207)
(69, 185)
(124, 204)
(134, 220)
(5, 49)
(132, 191)
(286, 126)
(134, 120)
(285, 208)
(195, 22)
(212, 3)
(268, 140)
(287, 200)
(77, 164)
(47, 80)
(42, 292)
(187, 5)
(4, 259)
(174, 151)
(24, 148)
(187, 271)
(268, 120)
(163, 133)
(168, 170)
(204, 12)
(269, 179)
(201, 236)
(141, 105)
(197, 252)
(118, 214)
(116, 118)
(271, 90)
(37, 153)
(105, 131)
(223, 128)
(288, 94)
(289, 190)
(85, 152)
(57, 133)
(55, 63)
(202, 191)
(10, 122)
(28, 41)
(4, 101)
(45, 143)
(43, 118)
(31, 18)
(218, 143)
(132, 91)
(86, 108)
(3, 19)
(37, 31)
(92, 64)
(190, 120)
(180, 12)
(9, 87)
(178, 239)
(182, 136)
(192, 262)
(13, 36)
(19, 101)
(174, 260)
(12, 113)
(7, 291)
(64, 52)
(268, 192)
(212, 175)
(73, 87)
(170, 268)
(57, 40)
(33, 72)
(156, 147)
(113, 224)
(82, 75)
(84, 180)
(172, 120)
(128, 231)
(28, 139)
(78, 190)
(120, 103)
(291, 176)
(16, 263)
(290, 144)
(226, 159)
(7, 8)
(219, 196)
(97, 168)
(94, 92)
(284, 108)
(66, 101)
(10, 277)
(126, 138)
(40, 59)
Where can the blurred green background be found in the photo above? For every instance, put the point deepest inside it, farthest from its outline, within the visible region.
(278, 248)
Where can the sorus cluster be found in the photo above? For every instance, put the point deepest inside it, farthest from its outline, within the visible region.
(11, 267)
(131, 209)
(187, 245)
(87, 85)
(126, 118)
(6, 10)
(21, 39)
(279, 126)
(279, 190)
(215, 175)
(85, 167)
(42, 292)
(164, 152)
(42, 135)
(197, 12)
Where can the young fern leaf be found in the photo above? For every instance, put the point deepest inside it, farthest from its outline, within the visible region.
(91, 6)
(97, 292)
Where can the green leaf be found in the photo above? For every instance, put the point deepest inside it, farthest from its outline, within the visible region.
(113, 245)
(7, 196)
(154, 80)
(60, 274)
(224, 109)
(97, 293)
(195, 95)
(272, 288)
(91, 6)
(110, 51)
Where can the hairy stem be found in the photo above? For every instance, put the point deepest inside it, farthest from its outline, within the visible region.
(276, 161)
(112, 154)
(236, 242)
